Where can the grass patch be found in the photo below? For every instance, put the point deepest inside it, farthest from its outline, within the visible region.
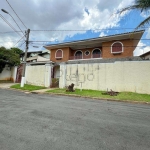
(27, 87)
(98, 94)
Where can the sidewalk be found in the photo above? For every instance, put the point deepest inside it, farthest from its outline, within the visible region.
(6, 85)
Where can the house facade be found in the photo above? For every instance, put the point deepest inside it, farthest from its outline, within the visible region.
(114, 46)
(102, 63)
(95, 49)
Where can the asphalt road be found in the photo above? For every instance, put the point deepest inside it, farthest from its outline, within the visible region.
(46, 122)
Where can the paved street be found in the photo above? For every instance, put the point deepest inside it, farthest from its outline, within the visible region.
(46, 122)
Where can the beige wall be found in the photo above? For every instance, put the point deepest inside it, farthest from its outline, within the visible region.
(38, 75)
(8, 74)
(119, 76)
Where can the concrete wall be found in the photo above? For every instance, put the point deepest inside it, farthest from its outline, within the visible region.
(133, 76)
(38, 75)
(8, 73)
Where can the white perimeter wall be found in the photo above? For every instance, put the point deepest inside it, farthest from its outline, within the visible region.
(119, 76)
(8, 74)
(38, 75)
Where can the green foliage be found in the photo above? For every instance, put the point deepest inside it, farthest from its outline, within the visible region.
(27, 87)
(142, 5)
(128, 96)
(10, 57)
(16, 50)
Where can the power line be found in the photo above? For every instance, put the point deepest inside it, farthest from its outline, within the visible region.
(19, 40)
(87, 46)
(59, 42)
(78, 40)
(49, 30)
(16, 13)
(22, 44)
(16, 23)
(9, 32)
(9, 24)
(10, 41)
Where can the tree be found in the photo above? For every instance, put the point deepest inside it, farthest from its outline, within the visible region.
(8, 57)
(16, 50)
(142, 5)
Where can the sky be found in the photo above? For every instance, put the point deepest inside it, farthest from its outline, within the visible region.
(55, 21)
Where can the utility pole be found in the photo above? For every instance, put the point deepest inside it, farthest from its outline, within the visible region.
(25, 58)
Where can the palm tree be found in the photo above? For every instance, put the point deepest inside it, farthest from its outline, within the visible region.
(142, 5)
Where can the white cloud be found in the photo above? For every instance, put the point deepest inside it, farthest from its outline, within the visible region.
(145, 14)
(61, 15)
(141, 49)
(102, 34)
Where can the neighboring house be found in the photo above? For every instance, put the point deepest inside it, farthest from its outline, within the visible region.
(35, 56)
(145, 56)
(37, 59)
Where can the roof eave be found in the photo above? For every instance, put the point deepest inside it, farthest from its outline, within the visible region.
(131, 35)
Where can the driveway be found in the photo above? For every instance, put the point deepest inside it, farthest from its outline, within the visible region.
(46, 122)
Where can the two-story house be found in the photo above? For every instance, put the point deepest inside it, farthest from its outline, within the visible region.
(113, 46)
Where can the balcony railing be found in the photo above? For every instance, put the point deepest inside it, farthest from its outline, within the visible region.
(85, 57)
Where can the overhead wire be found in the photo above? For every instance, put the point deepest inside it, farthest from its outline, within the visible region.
(19, 40)
(16, 13)
(22, 44)
(9, 24)
(16, 23)
(84, 29)
(51, 30)
(9, 32)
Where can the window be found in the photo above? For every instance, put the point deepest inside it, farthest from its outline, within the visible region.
(117, 47)
(96, 53)
(59, 54)
(78, 55)
(87, 53)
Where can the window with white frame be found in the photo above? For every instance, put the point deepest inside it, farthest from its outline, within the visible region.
(78, 55)
(96, 53)
(87, 53)
(59, 54)
(117, 47)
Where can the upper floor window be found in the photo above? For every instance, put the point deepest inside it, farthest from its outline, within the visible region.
(59, 54)
(78, 55)
(116, 47)
(96, 53)
(87, 53)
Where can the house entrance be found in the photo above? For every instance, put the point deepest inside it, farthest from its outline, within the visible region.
(55, 76)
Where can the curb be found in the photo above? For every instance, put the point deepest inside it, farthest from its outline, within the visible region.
(19, 90)
(95, 98)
